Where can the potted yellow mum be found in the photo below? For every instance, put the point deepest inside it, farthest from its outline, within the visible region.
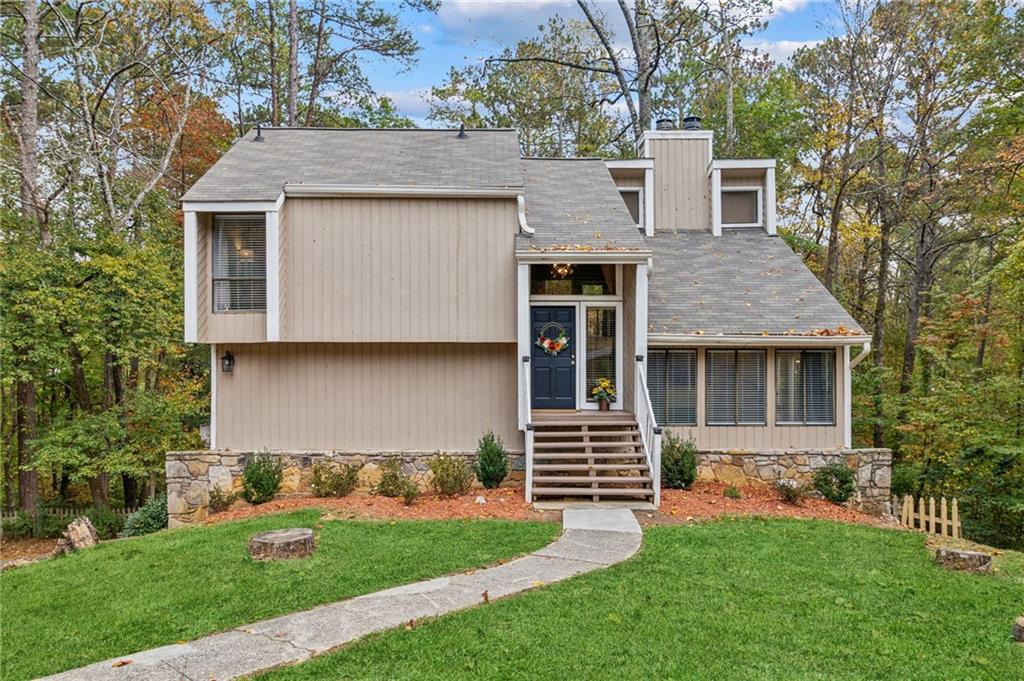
(604, 391)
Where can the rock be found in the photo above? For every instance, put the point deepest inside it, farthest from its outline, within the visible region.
(294, 542)
(481, 500)
(80, 534)
(220, 476)
(1018, 630)
(971, 561)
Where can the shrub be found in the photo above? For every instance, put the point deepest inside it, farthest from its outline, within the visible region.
(732, 492)
(221, 500)
(329, 481)
(18, 527)
(491, 461)
(410, 492)
(393, 481)
(150, 518)
(451, 475)
(261, 478)
(835, 482)
(108, 523)
(51, 525)
(791, 491)
(678, 461)
(906, 479)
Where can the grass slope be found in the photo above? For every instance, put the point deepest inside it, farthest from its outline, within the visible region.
(736, 599)
(174, 586)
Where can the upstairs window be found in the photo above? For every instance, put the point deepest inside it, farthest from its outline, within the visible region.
(239, 263)
(571, 279)
(672, 384)
(741, 207)
(735, 387)
(805, 387)
(634, 203)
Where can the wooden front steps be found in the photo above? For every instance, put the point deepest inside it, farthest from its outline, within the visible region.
(587, 456)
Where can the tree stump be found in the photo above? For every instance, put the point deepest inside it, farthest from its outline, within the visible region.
(294, 542)
(79, 534)
(970, 561)
(1018, 630)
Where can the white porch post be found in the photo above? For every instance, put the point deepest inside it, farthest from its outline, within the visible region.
(522, 338)
(847, 400)
(214, 369)
(191, 277)
(273, 238)
(640, 314)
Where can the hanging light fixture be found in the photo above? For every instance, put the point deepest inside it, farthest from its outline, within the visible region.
(561, 271)
(227, 362)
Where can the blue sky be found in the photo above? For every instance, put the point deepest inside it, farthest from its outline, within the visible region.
(465, 31)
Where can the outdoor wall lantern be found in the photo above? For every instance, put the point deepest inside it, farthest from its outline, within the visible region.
(227, 362)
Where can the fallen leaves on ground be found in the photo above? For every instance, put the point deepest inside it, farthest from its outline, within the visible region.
(14, 549)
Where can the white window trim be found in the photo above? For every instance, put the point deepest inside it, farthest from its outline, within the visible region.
(191, 271)
(641, 206)
(836, 358)
(760, 206)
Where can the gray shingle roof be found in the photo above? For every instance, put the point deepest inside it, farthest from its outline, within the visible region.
(572, 204)
(744, 282)
(257, 171)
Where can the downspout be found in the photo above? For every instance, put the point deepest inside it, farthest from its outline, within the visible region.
(860, 358)
(521, 204)
(848, 391)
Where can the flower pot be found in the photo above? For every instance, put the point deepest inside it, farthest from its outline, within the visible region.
(603, 405)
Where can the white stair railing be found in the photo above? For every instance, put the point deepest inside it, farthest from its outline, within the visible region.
(650, 431)
(527, 427)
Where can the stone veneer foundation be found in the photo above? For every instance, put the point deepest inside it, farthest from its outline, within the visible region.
(871, 467)
(191, 475)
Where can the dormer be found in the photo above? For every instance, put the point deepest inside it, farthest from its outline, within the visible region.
(742, 194)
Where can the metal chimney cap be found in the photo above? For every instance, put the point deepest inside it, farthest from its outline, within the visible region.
(259, 134)
(691, 123)
(462, 132)
(665, 124)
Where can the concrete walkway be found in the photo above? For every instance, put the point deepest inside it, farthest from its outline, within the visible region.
(592, 539)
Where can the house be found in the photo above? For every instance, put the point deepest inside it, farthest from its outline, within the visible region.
(375, 293)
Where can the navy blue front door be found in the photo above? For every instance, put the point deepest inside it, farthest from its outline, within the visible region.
(554, 376)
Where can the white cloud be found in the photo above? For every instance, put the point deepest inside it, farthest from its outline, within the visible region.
(780, 50)
(788, 6)
(425, 28)
(413, 103)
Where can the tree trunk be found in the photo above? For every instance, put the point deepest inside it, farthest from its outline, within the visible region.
(293, 62)
(316, 66)
(919, 290)
(99, 489)
(832, 259)
(878, 328)
(986, 311)
(131, 490)
(28, 477)
(275, 109)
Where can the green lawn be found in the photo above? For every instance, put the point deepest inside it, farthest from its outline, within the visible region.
(735, 599)
(130, 595)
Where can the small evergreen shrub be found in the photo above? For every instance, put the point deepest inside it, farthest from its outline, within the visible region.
(108, 524)
(261, 478)
(451, 475)
(410, 492)
(221, 500)
(678, 461)
(392, 481)
(732, 492)
(791, 491)
(491, 461)
(906, 479)
(50, 526)
(835, 482)
(329, 481)
(18, 527)
(152, 517)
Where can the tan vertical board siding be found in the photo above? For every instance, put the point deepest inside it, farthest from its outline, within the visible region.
(367, 397)
(681, 185)
(224, 327)
(628, 322)
(768, 436)
(400, 270)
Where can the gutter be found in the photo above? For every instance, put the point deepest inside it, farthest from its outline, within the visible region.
(318, 190)
(763, 341)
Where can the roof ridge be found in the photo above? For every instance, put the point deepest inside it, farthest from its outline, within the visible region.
(311, 128)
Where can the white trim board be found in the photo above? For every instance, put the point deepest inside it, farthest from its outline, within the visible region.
(741, 164)
(597, 257)
(670, 340)
(328, 190)
(191, 273)
(232, 206)
(629, 163)
(641, 205)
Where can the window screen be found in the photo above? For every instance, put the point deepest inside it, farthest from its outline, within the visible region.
(735, 387)
(739, 208)
(632, 200)
(805, 386)
(672, 383)
(239, 263)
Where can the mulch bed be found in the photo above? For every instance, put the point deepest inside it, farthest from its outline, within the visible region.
(18, 549)
(704, 501)
(506, 503)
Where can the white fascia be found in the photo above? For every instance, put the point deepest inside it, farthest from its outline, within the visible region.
(599, 257)
(741, 164)
(669, 340)
(629, 163)
(716, 201)
(214, 368)
(847, 399)
(231, 206)
(341, 190)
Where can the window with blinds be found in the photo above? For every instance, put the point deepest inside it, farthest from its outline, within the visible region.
(239, 263)
(805, 387)
(735, 383)
(672, 383)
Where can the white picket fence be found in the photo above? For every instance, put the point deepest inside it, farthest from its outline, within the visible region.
(945, 523)
(69, 513)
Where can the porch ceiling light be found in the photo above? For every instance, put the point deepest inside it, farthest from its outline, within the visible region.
(561, 271)
(227, 362)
